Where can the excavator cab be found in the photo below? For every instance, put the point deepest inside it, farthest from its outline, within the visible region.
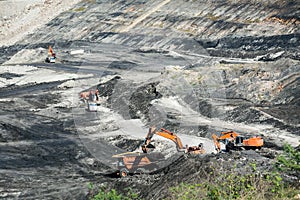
(233, 140)
(239, 140)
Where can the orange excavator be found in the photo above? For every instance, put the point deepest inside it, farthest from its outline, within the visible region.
(136, 163)
(51, 55)
(233, 140)
(171, 136)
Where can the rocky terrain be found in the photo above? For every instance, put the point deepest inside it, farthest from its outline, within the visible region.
(192, 67)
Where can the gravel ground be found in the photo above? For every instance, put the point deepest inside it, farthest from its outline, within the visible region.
(20, 18)
(176, 70)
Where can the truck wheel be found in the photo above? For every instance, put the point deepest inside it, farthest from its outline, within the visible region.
(124, 172)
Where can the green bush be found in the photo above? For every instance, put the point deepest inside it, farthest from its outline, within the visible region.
(80, 9)
(290, 159)
(238, 187)
(106, 194)
(186, 191)
(253, 185)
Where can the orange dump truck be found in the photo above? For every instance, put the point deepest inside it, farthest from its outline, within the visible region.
(137, 163)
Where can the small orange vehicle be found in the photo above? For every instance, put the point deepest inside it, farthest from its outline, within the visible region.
(233, 140)
(51, 56)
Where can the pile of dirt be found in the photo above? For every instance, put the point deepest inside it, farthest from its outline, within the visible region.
(106, 89)
(122, 142)
(140, 100)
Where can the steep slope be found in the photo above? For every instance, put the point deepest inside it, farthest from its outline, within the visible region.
(231, 29)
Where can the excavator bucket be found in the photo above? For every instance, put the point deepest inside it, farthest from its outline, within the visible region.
(147, 146)
(150, 146)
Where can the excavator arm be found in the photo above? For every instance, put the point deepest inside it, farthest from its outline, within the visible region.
(147, 140)
(171, 136)
(164, 133)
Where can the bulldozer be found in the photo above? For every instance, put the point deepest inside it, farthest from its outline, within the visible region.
(235, 141)
(171, 136)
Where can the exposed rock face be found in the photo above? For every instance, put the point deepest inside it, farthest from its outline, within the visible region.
(230, 29)
(141, 99)
(106, 89)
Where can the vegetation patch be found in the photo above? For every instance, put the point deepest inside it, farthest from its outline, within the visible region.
(212, 17)
(80, 9)
(103, 193)
(253, 185)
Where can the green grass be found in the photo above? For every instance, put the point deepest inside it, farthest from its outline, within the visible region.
(289, 160)
(80, 9)
(110, 194)
(251, 186)
(212, 17)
